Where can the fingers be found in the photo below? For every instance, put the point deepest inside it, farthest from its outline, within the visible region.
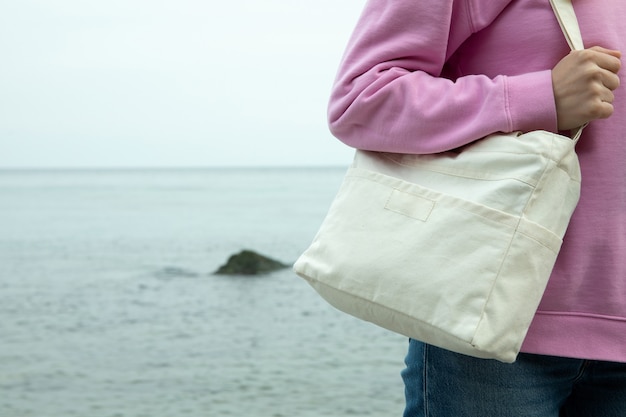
(583, 84)
(606, 96)
(601, 65)
(600, 97)
(597, 103)
(606, 63)
(606, 59)
(612, 52)
(609, 80)
(601, 110)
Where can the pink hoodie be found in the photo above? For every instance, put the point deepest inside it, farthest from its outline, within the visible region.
(429, 76)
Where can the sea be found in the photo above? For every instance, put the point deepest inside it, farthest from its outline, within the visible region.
(109, 305)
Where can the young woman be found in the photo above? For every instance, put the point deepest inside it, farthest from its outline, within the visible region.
(425, 76)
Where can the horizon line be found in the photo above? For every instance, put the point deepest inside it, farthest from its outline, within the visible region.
(166, 167)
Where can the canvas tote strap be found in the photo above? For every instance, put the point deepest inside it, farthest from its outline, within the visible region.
(564, 12)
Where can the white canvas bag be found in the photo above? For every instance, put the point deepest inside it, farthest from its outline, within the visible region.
(453, 249)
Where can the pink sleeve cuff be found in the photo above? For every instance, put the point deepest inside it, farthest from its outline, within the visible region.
(530, 102)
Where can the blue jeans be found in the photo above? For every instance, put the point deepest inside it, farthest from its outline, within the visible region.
(440, 383)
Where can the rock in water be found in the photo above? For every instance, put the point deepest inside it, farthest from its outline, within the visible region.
(248, 262)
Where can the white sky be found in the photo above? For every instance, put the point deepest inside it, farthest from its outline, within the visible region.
(124, 83)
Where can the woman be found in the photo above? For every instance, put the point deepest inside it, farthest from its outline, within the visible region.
(425, 76)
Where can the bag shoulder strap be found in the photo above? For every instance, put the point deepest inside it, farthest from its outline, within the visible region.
(565, 14)
(564, 11)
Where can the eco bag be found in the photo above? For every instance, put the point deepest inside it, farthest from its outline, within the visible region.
(454, 249)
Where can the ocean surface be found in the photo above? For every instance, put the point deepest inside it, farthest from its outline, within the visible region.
(109, 306)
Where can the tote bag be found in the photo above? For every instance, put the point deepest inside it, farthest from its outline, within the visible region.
(454, 249)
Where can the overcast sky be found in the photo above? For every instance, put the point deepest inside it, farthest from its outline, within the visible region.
(124, 83)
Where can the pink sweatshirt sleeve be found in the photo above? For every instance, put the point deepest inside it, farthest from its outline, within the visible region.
(390, 94)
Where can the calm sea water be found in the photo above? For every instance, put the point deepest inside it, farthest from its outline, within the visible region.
(109, 308)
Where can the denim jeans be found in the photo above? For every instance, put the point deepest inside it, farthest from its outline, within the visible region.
(440, 383)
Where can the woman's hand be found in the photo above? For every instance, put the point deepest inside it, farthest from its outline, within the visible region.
(583, 84)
